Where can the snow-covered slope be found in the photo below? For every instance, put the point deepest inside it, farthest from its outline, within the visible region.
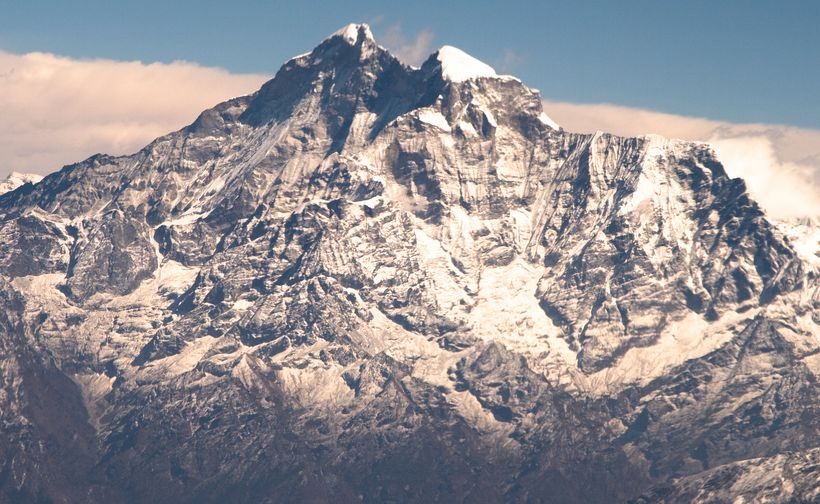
(457, 66)
(368, 281)
(15, 180)
(804, 235)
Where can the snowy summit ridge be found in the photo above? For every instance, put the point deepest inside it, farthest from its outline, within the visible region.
(16, 179)
(352, 32)
(457, 65)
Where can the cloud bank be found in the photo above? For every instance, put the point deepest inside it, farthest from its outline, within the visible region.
(58, 110)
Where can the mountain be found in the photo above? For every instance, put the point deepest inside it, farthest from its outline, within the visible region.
(374, 282)
(15, 180)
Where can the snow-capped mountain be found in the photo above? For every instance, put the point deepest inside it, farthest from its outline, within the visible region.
(15, 180)
(368, 281)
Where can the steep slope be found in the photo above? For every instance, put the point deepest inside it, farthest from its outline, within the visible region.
(368, 280)
(47, 448)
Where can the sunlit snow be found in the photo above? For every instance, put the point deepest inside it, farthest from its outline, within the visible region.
(351, 32)
(457, 66)
(435, 118)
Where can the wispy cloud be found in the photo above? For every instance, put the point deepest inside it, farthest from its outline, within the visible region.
(509, 61)
(780, 164)
(57, 110)
(414, 51)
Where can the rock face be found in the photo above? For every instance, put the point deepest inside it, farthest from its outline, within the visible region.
(373, 282)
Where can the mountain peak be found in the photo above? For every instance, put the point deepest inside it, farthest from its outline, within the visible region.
(457, 65)
(353, 33)
(17, 179)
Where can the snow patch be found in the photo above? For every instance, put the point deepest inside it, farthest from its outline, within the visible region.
(467, 128)
(249, 371)
(641, 196)
(689, 338)
(242, 304)
(175, 277)
(41, 290)
(186, 359)
(507, 311)
(449, 294)
(476, 415)
(315, 385)
(94, 387)
(434, 118)
(371, 203)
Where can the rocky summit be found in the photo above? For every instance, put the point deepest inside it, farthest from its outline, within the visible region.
(374, 282)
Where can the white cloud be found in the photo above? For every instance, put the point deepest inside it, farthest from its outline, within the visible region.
(58, 110)
(785, 189)
(780, 164)
(412, 52)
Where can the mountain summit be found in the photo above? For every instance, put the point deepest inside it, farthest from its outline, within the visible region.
(369, 281)
(15, 180)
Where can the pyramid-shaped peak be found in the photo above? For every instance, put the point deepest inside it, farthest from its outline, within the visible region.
(457, 65)
(353, 32)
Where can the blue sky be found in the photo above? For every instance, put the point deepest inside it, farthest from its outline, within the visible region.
(738, 61)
